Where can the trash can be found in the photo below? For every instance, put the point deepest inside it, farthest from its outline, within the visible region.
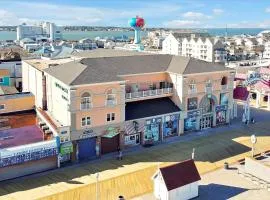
(226, 165)
(121, 197)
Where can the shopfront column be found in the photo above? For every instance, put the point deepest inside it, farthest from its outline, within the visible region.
(181, 125)
(258, 100)
(214, 118)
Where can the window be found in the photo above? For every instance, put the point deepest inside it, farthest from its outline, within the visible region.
(208, 83)
(110, 117)
(224, 80)
(85, 101)
(192, 103)
(111, 99)
(86, 121)
(2, 107)
(1, 80)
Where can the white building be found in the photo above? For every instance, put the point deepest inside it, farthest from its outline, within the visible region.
(172, 44)
(266, 53)
(157, 42)
(177, 182)
(43, 31)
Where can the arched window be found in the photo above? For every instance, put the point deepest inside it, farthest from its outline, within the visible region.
(224, 80)
(111, 97)
(86, 101)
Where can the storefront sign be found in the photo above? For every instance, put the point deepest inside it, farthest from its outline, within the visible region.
(25, 153)
(170, 125)
(88, 133)
(195, 113)
(66, 148)
(221, 108)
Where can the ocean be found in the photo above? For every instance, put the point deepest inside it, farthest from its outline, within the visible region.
(77, 35)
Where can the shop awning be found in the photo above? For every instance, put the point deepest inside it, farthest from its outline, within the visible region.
(111, 132)
(150, 108)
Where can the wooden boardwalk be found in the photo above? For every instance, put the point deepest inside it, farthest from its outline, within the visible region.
(131, 177)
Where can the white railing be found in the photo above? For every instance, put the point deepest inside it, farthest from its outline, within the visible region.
(208, 90)
(147, 93)
(110, 102)
(86, 106)
(192, 91)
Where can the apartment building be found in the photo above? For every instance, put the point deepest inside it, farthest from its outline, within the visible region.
(111, 99)
(203, 48)
(43, 31)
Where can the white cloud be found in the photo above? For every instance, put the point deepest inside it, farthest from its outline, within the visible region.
(195, 15)
(267, 10)
(78, 15)
(182, 23)
(218, 11)
(247, 24)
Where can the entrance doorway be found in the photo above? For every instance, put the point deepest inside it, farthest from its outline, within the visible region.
(206, 121)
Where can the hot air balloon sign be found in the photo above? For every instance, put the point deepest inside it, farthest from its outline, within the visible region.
(137, 23)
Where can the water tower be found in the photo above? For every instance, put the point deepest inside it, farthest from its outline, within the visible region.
(137, 23)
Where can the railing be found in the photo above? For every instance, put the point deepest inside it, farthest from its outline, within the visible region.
(148, 93)
(208, 90)
(86, 106)
(192, 91)
(110, 102)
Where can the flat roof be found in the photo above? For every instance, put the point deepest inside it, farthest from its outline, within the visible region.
(20, 136)
(149, 108)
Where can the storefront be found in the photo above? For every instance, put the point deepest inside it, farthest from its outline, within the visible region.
(110, 141)
(171, 125)
(86, 145)
(152, 130)
(221, 112)
(65, 151)
(190, 123)
(28, 159)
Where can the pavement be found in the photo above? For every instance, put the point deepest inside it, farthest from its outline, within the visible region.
(131, 177)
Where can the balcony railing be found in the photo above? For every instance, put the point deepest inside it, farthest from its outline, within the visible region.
(110, 102)
(86, 106)
(192, 91)
(148, 93)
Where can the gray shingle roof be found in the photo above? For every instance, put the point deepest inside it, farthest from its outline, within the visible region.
(110, 69)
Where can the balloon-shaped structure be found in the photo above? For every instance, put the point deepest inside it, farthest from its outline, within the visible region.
(137, 23)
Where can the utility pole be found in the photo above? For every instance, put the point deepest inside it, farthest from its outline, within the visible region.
(97, 188)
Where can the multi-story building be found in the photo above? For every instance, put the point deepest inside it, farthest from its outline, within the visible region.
(112, 99)
(207, 49)
(44, 31)
(203, 48)
(266, 53)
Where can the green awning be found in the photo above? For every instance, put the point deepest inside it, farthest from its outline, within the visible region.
(111, 132)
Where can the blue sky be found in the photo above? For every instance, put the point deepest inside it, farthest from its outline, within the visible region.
(157, 13)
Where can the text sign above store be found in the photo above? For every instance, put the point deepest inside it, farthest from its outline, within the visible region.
(25, 153)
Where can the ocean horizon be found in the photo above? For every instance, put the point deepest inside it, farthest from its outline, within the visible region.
(77, 35)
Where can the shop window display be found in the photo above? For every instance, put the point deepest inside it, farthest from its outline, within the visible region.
(170, 126)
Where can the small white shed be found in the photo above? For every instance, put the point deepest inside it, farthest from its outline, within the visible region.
(177, 182)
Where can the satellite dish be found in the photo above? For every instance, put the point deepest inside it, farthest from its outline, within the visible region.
(253, 139)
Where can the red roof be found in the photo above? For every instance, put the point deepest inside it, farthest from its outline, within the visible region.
(180, 174)
(240, 93)
(20, 136)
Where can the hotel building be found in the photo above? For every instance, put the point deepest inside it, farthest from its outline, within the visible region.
(111, 99)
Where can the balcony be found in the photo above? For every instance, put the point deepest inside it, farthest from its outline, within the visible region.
(86, 106)
(110, 102)
(192, 91)
(149, 93)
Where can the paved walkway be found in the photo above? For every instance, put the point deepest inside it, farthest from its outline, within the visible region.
(132, 176)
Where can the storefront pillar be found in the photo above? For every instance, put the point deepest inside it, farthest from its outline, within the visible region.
(181, 125)
(258, 100)
(234, 109)
(198, 121)
(268, 102)
(214, 119)
(228, 114)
